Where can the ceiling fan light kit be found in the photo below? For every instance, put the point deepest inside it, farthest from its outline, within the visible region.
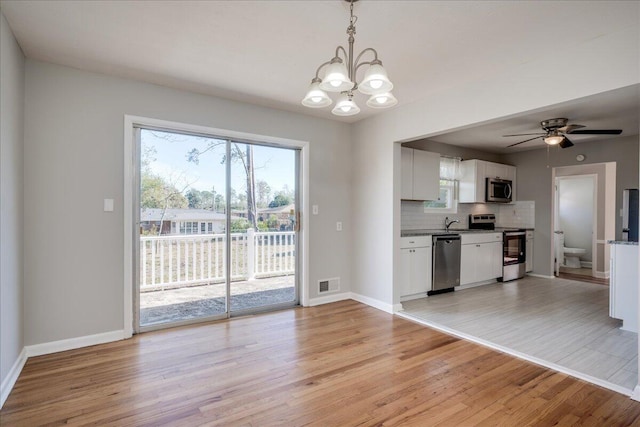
(340, 77)
(556, 131)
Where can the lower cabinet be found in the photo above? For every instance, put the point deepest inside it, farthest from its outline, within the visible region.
(480, 257)
(623, 285)
(415, 267)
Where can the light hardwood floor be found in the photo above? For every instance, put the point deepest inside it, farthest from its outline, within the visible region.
(563, 322)
(341, 364)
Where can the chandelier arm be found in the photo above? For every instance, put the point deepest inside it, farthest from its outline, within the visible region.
(361, 64)
(320, 68)
(346, 55)
(375, 56)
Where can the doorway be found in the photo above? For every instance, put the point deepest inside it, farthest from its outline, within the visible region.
(604, 221)
(576, 219)
(218, 223)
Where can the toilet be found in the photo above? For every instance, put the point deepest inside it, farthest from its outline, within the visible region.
(572, 257)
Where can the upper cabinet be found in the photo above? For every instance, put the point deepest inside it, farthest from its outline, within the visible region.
(420, 172)
(474, 177)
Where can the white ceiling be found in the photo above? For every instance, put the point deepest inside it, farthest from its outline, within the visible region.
(266, 52)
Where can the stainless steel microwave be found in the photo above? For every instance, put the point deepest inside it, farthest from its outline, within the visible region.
(499, 190)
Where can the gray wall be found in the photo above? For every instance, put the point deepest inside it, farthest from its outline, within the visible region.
(11, 200)
(534, 182)
(453, 150)
(74, 146)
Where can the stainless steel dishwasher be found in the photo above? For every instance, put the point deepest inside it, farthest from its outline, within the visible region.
(446, 263)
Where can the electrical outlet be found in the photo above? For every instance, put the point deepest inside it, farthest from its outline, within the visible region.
(108, 205)
(339, 226)
(314, 209)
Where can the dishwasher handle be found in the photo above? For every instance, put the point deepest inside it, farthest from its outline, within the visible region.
(445, 239)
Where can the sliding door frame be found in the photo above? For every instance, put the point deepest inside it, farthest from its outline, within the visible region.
(131, 205)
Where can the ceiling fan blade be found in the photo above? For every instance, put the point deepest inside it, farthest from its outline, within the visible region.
(522, 142)
(526, 134)
(569, 128)
(597, 132)
(566, 143)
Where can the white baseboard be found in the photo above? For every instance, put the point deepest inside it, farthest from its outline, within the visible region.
(389, 308)
(12, 376)
(602, 274)
(636, 393)
(397, 308)
(372, 302)
(73, 343)
(327, 299)
(542, 276)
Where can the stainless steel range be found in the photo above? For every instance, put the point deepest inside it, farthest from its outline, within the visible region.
(513, 245)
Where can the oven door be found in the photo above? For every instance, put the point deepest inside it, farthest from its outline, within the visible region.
(514, 247)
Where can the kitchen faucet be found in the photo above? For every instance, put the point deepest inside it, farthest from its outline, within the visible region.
(447, 224)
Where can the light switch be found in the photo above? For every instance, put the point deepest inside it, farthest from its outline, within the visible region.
(108, 205)
(314, 209)
(339, 226)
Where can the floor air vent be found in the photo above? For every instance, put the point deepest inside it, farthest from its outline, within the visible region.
(329, 285)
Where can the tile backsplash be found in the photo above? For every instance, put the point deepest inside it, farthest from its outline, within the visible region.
(518, 214)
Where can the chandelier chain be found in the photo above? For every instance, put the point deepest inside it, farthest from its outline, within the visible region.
(351, 29)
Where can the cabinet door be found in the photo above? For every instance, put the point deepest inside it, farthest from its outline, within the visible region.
(529, 255)
(405, 271)
(497, 170)
(467, 264)
(485, 262)
(421, 270)
(406, 173)
(467, 185)
(497, 259)
(481, 181)
(426, 175)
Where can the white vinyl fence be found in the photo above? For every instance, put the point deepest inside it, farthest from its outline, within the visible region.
(173, 261)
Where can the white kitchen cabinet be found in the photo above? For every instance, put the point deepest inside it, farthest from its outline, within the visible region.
(623, 285)
(529, 251)
(415, 267)
(498, 170)
(474, 175)
(420, 175)
(480, 257)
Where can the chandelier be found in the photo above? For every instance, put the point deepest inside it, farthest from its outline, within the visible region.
(340, 77)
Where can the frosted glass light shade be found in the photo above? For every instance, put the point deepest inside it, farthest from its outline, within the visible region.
(553, 140)
(345, 107)
(336, 78)
(375, 81)
(316, 97)
(382, 100)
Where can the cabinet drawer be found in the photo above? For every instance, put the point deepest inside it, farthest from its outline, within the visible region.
(471, 238)
(415, 242)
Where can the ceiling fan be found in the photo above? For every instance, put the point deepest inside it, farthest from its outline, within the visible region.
(556, 131)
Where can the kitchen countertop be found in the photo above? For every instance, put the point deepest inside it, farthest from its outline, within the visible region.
(621, 242)
(428, 232)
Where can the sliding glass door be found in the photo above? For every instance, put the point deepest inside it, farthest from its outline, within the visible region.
(217, 228)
